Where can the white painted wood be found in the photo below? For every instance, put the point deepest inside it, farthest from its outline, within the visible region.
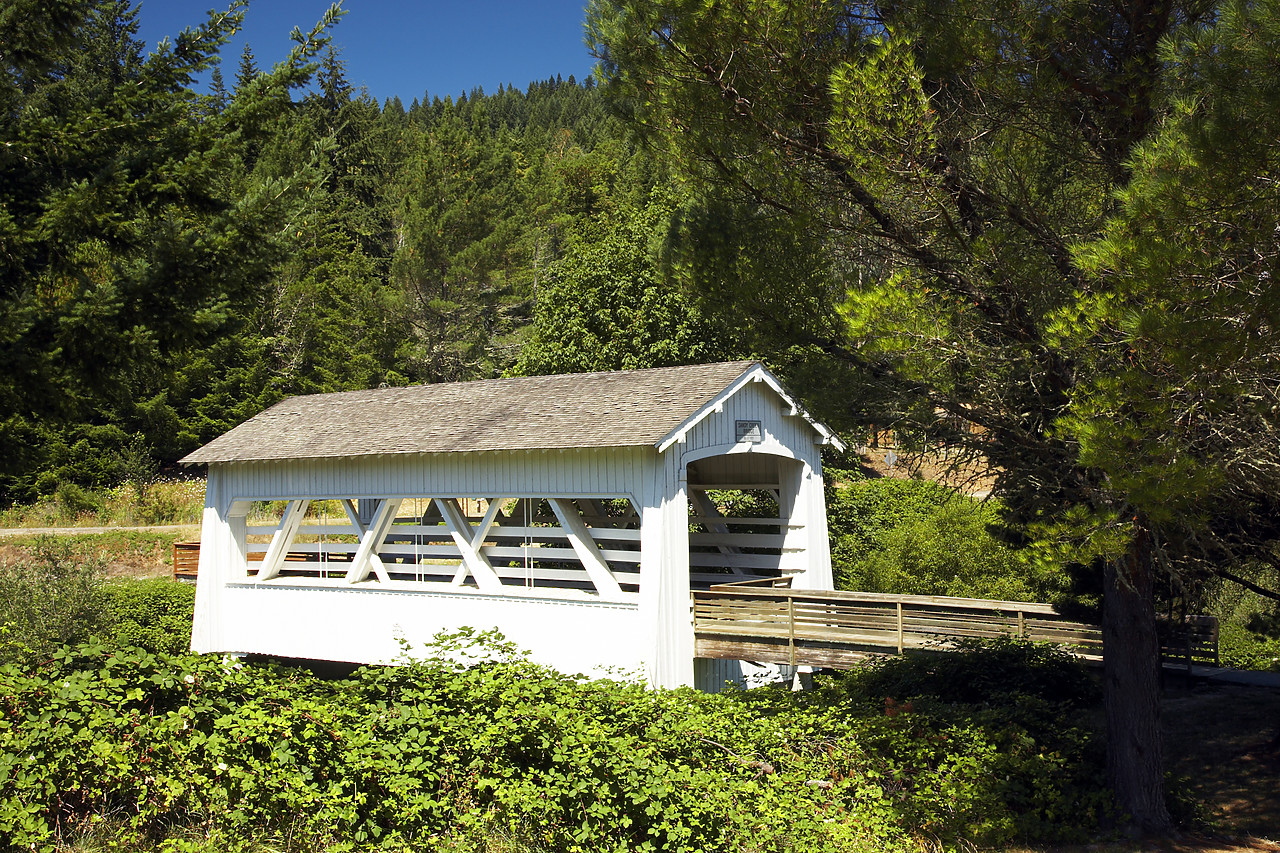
(353, 515)
(589, 472)
(297, 620)
(486, 523)
(585, 547)
(757, 377)
(557, 610)
(468, 544)
(711, 513)
(283, 538)
(366, 557)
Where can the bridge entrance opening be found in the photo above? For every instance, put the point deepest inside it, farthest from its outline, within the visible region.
(743, 520)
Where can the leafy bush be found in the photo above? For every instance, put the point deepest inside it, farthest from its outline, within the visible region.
(151, 614)
(1001, 671)
(75, 501)
(1242, 648)
(48, 599)
(55, 596)
(1033, 703)
(431, 753)
(919, 537)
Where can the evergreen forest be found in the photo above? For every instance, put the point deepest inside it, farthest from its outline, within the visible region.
(173, 262)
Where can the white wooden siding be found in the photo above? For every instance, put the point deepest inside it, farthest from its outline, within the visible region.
(366, 625)
(783, 435)
(607, 472)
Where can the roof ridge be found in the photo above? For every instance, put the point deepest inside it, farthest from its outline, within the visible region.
(497, 379)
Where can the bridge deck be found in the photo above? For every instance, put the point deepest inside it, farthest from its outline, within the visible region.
(836, 629)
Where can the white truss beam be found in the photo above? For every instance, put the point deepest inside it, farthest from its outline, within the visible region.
(586, 549)
(282, 539)
(469, 540)
(708, 510)
(366, 557)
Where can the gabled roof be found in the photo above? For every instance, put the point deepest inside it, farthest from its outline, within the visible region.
(610, 409)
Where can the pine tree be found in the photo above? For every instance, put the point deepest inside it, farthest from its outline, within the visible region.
(247, 71)
(218, 89)
(125, 249)
(952, 158)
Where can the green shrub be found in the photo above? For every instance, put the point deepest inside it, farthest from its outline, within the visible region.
(919, 537)
(75, 501)
(48, 598)
(1033, 703)
(1242, 648)
(152, 614)
(430, 754)
(1002, 671)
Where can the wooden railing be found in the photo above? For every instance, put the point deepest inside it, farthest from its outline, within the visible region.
(838, 629)
(186, 560)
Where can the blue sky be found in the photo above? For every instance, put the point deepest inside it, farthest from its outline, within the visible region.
(405, 48)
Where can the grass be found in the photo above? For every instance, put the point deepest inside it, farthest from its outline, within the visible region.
(121, 553)
(163, 502)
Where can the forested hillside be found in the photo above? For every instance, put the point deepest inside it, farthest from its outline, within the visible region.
(171, 262)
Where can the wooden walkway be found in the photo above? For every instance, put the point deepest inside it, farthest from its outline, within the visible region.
(762, 622)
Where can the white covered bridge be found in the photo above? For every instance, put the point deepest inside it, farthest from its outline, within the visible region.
(574, 513)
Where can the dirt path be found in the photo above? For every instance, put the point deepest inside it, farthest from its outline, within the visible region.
(86, 531)
(1224, 742)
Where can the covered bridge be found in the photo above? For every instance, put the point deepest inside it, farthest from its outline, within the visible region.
(574, 513)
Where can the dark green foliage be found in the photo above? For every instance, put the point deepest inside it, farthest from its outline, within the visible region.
(991, 672)
(154, 615)
(606, 305)
(1037, 703)
(75, 501)
(203, 256)
(419, 754)
(126, 238)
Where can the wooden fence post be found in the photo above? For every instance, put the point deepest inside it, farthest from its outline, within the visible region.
(791, 627)
(900, 645)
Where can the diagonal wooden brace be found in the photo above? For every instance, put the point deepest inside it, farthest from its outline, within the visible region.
(477, 539)
(469, 540)
(353, 515)
(366, 558)
(283, 538)
(586, 549)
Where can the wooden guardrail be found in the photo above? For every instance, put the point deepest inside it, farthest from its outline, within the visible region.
(836, 629)
(186, 560)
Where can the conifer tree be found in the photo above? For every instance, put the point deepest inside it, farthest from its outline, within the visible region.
(247, 71)
(955, 158)
(123, 250)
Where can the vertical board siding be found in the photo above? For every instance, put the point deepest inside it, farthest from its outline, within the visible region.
(606, 472)
(755, 401)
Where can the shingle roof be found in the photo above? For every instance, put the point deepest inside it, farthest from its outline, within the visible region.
(613, 409)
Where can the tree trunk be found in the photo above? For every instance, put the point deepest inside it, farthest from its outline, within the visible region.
(1131, 689)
